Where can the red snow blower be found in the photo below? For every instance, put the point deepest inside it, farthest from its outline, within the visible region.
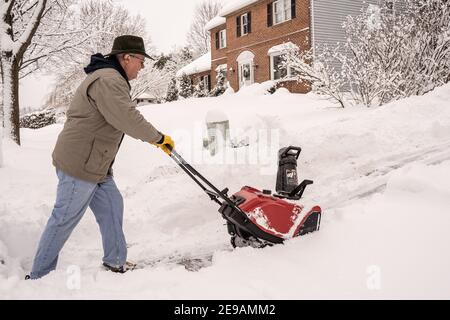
(257, 218)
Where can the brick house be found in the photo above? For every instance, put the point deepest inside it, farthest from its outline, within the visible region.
(248, 37)
(199, 70)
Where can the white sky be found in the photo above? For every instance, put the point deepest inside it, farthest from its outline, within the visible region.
(167, 22)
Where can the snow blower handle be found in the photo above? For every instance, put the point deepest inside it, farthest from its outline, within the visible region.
(169, 147)
(191, 172)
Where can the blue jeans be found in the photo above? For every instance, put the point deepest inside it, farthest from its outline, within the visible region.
(72, 199)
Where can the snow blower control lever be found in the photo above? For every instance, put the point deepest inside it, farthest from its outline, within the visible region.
(287, 186)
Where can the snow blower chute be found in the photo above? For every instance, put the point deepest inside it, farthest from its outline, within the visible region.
(258, 218)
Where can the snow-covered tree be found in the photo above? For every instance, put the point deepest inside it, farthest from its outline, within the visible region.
(178, 58)
(172, 91)
(104, 20)
(316, 72)
(390, 53)
(18, 25)
(374, 61)
(152, 80)
(198, 38)
(221, 84)
(395, 54)
(185, 88)
(430, 36)
(200, 91)
(32, 32)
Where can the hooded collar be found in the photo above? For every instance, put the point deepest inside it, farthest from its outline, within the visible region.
(98, 61)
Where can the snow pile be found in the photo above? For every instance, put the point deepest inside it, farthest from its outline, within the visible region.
(381, 176)
(213, 116)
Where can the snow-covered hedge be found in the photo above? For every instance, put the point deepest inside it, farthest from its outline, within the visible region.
(38, 119)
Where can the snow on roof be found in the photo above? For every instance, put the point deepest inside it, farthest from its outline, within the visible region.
(282, 47)
(199, 65)
(215, 22)
(235, 5)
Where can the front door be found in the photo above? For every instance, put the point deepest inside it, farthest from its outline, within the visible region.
(246, 76)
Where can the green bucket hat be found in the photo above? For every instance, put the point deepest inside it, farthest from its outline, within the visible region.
(128, 44)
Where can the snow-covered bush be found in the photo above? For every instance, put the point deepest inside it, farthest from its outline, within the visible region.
(396, 54)
(38, 119)
(390, 53)
(185, 88)
(200, 91)
(172, 91)
(221, 85)
(318, 72)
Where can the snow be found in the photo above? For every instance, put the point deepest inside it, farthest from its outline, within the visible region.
(215, 22)
(201, 64)
(235, 5)
(26, 34)
(381, 176)
(282, 48)
(215, 116)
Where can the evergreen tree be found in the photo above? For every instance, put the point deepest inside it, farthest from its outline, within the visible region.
(185, 86)
(221, 85)
(200, 91)
(172, 91)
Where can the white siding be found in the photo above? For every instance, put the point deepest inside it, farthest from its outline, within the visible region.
(328, 16)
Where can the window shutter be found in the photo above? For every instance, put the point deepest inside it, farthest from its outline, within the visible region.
(238, 26)
(269, 15)
(217, 40)
(293, 15)
(249, 21)
(209, 82)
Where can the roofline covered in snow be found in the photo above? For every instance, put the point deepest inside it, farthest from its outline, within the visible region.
(235, 6)
(201, 64)
(215, 22)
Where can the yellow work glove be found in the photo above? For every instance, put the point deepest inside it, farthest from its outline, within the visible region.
(167, 144)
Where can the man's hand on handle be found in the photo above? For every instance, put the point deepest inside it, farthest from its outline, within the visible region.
(166, 144)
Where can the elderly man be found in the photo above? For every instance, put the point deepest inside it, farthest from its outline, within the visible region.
(100, 114)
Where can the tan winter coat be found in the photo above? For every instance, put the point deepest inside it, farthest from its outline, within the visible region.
(100, 113)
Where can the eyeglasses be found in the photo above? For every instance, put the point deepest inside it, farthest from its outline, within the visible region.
(141, 59)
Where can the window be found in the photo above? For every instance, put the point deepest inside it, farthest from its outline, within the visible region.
(222, 39)
(282, 10)
(243, 24)
(277, 70)
(206, 82)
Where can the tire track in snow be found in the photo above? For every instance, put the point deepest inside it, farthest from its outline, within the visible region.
(429, 156)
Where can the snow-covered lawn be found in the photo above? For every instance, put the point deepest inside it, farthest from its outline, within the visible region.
(382, 177)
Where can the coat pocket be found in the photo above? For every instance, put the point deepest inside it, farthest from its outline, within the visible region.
(100, 157)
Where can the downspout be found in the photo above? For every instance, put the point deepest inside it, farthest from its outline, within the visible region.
(312, 27)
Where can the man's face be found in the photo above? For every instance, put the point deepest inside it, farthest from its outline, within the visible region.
(132, 64)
